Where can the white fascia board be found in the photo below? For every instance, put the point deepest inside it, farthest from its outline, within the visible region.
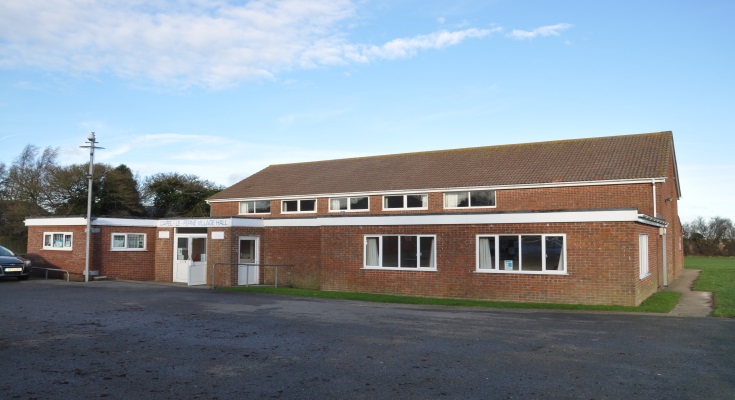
(81, 221)
(451, 189)
(147, 223)
(462, 219)
(60, 221)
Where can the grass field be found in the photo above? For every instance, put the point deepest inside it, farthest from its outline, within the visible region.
(718, 276)
(661, 302)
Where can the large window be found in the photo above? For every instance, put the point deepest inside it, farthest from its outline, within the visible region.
(128, 241)
(405, 201)
(521, 253)
(349, 204)
(57, 240)
(467, 199)
(400, 252)
(255, 207)
(643, 256)
(296, 206)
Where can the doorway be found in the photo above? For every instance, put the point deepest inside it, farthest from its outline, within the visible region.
(190, 259)
(248, 270)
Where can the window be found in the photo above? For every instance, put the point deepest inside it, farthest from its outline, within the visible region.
(295, 206)
(349, 204)
(473, 198)
(57, 240)
(400, 252)
(128, 241)
(521, 254)
(255, 207)
(643, 255)
(404, 201)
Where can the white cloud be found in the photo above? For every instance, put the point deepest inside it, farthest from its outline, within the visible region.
(207, 43)
(549, 30)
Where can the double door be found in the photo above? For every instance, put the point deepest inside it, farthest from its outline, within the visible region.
(190, 259)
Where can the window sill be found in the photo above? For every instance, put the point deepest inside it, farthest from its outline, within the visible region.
(399, 269)
(645, 276)
(470, 208)
(57, 249)
(490, 271)
(129, 250)
(407, 209)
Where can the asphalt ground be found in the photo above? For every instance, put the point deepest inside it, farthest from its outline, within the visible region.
(124, 340)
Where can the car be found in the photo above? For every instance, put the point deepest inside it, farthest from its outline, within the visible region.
(12, 265)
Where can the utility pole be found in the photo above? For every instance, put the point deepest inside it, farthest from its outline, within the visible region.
(91, 147)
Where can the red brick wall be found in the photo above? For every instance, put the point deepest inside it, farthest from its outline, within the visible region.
(602, 265)
(133, 265)
(164, 265)
(72, 261)
(299, 246)
(638, 196)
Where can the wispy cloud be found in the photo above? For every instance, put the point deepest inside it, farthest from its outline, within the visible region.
(549, 30)
(206, 43)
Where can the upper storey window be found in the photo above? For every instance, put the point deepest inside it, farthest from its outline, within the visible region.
(469, 199)
(298, 206)
(349, 204)
(255, 207)
(405, 201)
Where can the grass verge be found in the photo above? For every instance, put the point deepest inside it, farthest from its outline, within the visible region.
(661, 302)
(718, 277)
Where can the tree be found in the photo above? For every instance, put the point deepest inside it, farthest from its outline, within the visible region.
(178, 195)
(715, 237)
(114, 191)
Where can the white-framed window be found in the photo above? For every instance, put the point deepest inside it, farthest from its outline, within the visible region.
(128, 241)
(298, 206)
(349, 204)
(534, 254)
(416, 252)
(643, 256)
(58, 240)
(255, 207)
(405, 201)
(470, 199)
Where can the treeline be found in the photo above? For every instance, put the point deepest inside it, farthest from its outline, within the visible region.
(715, 237)
(34, 184)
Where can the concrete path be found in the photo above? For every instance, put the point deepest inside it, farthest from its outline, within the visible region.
(692, 303)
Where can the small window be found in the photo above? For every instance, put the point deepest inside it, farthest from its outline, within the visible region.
(521, 253)
(349, 204)
(57, 240)
(643, 256)
(298, 206)
(469, 199)
(405, 201)
(128, 241)
(400, 252)
(255, 207)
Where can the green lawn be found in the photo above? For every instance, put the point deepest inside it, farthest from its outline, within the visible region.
(661, 302)
(718, 276)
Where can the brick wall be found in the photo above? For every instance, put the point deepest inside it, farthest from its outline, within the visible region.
(164, 265)
(602, 265)
(71, 260)
(638, 196)
(133, 265)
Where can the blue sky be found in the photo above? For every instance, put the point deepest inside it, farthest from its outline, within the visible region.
(221, 89)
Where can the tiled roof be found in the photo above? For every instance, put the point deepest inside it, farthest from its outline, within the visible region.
(579, 160)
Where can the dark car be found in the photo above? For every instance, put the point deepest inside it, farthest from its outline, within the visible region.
(13, 266)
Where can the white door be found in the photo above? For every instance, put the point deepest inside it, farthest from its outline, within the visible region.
(248, 270)
(190, 260)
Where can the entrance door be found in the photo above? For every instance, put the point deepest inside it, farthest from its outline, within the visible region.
(248, 269)
(190, 260)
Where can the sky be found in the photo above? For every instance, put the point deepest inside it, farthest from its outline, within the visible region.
(222, 89)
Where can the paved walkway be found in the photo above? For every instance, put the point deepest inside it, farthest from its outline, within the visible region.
(692, 303)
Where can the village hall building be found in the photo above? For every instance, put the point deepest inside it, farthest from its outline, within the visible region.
(584, 221)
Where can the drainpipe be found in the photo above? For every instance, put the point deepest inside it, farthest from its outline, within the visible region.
(666, 272)
(653, 183)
